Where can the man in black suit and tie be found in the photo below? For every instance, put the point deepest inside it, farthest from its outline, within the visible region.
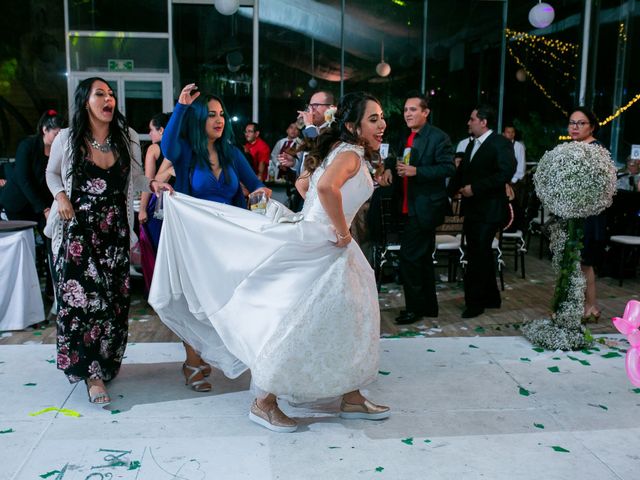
(426, 163)
(488, 164)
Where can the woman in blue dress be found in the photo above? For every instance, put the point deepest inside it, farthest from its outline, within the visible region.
(207, 166)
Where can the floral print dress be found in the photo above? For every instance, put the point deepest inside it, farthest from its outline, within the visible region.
(93, 277)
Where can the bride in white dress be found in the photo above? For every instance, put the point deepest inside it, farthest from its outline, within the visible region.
(289, 296)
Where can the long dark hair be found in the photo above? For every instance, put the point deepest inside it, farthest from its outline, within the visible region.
(350, 110)
(80, 129)
(196, 134)
(48, 121)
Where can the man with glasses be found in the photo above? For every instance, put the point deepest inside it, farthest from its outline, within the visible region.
(257, 149)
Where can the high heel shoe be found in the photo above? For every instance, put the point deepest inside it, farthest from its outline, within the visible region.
(201, 386)
(365, 411)
(205, 368)
(100, 398)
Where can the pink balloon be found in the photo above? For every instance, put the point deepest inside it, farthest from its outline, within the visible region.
(632, 364)
(623, 325)
(632, 313)
(634, 338)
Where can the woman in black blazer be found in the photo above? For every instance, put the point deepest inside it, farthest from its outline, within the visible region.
(25, 195)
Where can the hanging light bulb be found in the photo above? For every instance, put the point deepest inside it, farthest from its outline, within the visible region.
(383, 68)
(521, 75)
(541, 15)
(313, 83)
(227, 7)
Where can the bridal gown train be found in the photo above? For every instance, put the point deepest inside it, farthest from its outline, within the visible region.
(272, 294)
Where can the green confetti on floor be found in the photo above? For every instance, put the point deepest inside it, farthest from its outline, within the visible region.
(587, 352)
(538, 349)
(8, 430)
(604, 407)
(479, 330)
(524, 392)
(29, 384)
(50, 474)
(37, 334)
(65, 411)
(115, 412)
(134, 465)
(584, 362)
(472, 346)
(427, 440)
(611, 355)
(331, 448)
(554, 369)
(52, 360)
(539, 425)
(636, 390)
(556, 358)
(556, 448)
(525, 359)
(407, 441)
(430, 350)
(383, 373)
(379, 469)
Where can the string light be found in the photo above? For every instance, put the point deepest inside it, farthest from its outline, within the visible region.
(620, 111)
(535, 81)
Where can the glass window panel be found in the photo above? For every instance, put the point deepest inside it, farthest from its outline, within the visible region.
(119, 15)
(142, 101)
(93, 53)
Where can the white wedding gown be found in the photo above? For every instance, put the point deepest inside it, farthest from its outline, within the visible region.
(274, 295)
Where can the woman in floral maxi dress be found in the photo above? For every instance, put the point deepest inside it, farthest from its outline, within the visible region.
(93, 170)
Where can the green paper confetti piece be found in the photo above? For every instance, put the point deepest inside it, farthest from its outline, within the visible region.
(472, 346)
(538, 349)
(584, 362)
(611, 355)
(331, 448)
(557, 448)
(427, 440)
(50, 474)
(523, 391)
(479, 329)
(37, 334)
(52, 360)
(430, 350)
(525, 359)
(575, 359)
(587, 352)
(29, 384)
(556, 358)
(66, 412)
(134, 465)
(636, 390)
(408, 441)
(8, 430)
(383, 373)
(115, 412)
(554, 369)
(379, 469)
(604, 407)
(539, 425)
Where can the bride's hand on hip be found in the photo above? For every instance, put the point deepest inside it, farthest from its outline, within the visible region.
(343, 239)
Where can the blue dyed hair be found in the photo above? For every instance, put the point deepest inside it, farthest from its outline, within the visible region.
(196, 134)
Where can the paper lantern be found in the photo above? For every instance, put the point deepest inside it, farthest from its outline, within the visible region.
(541, 15)
(227, 7)
(521, 75)
(383, 69)
(313, 83)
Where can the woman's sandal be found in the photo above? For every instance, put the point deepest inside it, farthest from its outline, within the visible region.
(101, 398)
(201, 386)
(205, 368)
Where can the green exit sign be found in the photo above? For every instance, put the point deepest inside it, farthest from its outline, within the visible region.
(120, 65)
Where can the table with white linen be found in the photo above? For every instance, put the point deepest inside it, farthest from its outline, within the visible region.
(20, 297)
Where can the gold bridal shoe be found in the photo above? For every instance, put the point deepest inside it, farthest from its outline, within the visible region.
(364, 411)
(273, 419)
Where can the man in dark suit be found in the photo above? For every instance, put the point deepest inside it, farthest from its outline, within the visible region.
(426, 163)
(488, 164)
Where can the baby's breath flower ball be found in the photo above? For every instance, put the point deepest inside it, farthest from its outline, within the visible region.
(576, 180)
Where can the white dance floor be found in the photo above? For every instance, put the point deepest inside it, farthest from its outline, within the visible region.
(463, 408)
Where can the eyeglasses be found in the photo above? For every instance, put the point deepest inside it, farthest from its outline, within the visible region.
(579, 123)
(314, 106)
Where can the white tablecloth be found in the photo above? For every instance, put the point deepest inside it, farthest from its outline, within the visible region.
(20, 298)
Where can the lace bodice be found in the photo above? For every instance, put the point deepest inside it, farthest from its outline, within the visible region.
(355, 191)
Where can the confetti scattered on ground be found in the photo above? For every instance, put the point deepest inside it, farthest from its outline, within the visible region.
(427, 440)
(66, 412)
(525, 359)
(611, 355)
(603, 407)
(8, 430)
(379, 469)
(538, 349)
(383, 373)
(29, 384)
(538, 425)
(472, 346)
(524, 392)
(554, 369)
(407, 441)
(556, 448)
(430, 350)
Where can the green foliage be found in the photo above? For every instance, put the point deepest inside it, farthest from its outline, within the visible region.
(570, 258)
(537, 136)
(8, 71)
